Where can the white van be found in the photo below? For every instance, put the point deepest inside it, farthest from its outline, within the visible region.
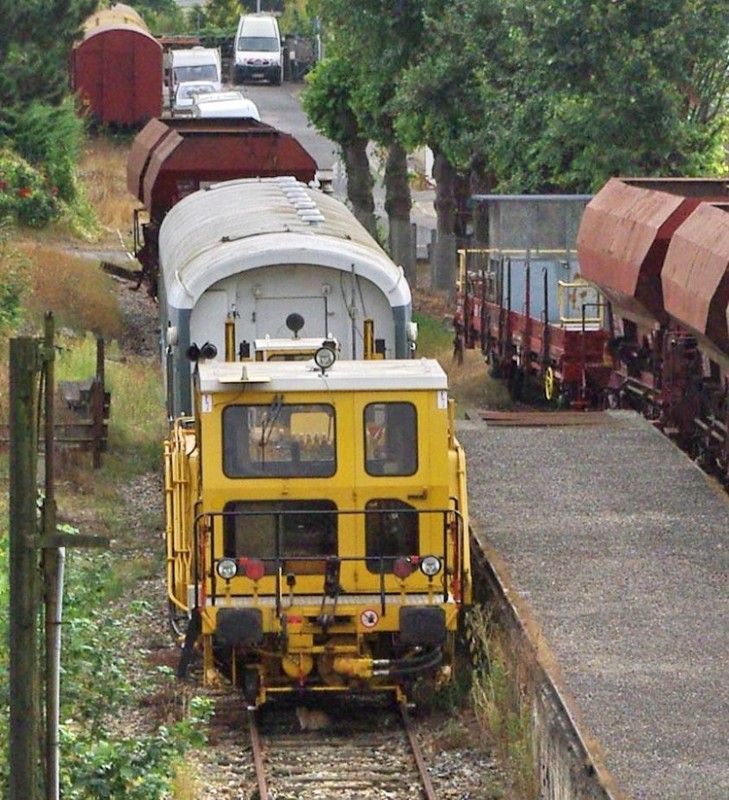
(224, 104)
(195, 64)
(258, 52)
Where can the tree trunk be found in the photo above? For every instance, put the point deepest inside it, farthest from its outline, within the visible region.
(360, 182)
(481, 183)
(398, 203)
(444, 267)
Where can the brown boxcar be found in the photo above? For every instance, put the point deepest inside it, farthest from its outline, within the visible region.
(116, 69)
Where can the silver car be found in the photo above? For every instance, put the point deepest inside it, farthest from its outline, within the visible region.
(186, 94)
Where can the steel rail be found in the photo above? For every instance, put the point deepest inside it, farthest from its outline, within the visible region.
(257, 753)
(417, 754)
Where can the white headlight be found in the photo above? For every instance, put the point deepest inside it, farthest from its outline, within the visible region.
(324, 358)
(227, 568)
(430, 565)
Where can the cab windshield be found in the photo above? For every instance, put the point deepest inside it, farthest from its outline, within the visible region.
(279, 440)
(259, 44)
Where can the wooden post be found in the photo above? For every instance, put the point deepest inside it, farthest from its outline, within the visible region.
(25, 773)
(97, 404)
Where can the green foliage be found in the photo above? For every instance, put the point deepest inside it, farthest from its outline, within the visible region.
(327, 100)
(223, 14)
(97, 759)
(433, 338)
(137, 768)
(298, 17)
(13, 282)
(495, 699)
(393, 35)
(170, 19)
(51, 138)
(26, 196)
(34, 48)
(437, 98)
(599, 89)
(38, 173)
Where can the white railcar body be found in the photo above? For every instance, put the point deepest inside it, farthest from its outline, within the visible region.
(253, 252)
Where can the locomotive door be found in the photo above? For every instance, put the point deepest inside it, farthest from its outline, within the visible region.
(392, 486)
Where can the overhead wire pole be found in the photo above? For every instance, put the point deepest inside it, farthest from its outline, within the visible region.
(24, 753)
(27, 541)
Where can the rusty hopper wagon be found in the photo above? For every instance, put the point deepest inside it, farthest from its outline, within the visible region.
(173, 158)
(659, 250)
(116, 69)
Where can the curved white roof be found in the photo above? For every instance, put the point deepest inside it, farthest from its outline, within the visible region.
(242, 225)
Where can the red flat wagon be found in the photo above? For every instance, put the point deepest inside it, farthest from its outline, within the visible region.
(536, 322)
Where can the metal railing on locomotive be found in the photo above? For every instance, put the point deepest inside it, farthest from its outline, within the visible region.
(453, 533)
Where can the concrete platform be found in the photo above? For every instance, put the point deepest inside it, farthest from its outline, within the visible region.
(619, 545)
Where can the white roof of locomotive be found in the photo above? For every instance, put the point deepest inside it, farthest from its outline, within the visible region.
(245, 224)
(279, 345)
(343, 376)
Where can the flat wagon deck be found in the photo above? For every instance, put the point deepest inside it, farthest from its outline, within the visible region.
(619, 546)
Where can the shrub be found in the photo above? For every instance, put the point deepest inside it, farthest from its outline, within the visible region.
(13, 282)
(25, 194)
(50, 138)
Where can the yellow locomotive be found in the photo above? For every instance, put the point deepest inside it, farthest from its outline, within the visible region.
(317, 524)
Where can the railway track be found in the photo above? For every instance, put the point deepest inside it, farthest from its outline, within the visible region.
(350, 752)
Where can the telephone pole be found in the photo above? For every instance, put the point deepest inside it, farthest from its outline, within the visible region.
(24, 756)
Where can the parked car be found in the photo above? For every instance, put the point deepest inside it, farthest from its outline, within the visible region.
(258, 52)
(194, 64)
(224, 104)
(186, 93)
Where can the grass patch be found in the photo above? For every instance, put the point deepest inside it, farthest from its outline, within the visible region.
(53, 278)
(470, 383)
(498, 706)
(103, 171)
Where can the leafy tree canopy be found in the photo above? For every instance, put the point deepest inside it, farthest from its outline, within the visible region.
(560, 95)
(598, 89)
(34, 47)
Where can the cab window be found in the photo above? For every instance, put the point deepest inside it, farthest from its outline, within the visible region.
(391, 531)
(391, 439)
(300, 531)
(279, 440)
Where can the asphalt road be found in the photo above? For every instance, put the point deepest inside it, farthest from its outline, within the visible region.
(280, 106)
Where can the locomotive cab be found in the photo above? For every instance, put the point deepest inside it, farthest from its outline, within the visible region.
(318, 524)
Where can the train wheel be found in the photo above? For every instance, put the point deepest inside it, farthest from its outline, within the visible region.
(251, 685)
(551, 384)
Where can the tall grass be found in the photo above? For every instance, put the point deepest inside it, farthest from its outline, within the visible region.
(469, 381)
(103, 174)
(499, 708)
(78, 293)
